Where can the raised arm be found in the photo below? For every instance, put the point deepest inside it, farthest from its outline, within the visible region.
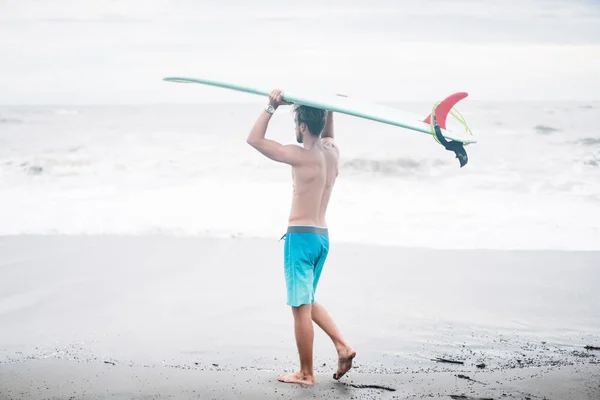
(288, 154)
(327, 131)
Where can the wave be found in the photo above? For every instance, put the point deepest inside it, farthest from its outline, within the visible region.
(64, 111)
(10, 121)
(589, 141)
(545, 129)
(595, 162)
(34, 170)
(399, 166)
(68, 164)
(30, 169)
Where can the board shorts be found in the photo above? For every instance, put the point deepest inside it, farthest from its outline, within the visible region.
(305, 251)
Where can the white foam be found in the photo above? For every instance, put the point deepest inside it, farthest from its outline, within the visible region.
(188, 171)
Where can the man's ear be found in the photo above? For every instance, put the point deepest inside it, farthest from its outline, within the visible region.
(302, 127)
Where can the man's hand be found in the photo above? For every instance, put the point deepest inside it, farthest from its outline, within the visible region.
(276, 99)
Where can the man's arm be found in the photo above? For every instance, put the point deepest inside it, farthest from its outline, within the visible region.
(289, 154)
(327, 131)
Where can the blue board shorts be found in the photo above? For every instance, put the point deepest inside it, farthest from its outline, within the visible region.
(305, 252)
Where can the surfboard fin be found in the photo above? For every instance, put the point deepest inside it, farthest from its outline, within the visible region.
(452, 145)
(440, 114)
(443, 109)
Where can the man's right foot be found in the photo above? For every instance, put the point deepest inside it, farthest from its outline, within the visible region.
(297, 377)
(345, 357)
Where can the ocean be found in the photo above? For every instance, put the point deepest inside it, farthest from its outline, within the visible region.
(532, 181)
(92, 141)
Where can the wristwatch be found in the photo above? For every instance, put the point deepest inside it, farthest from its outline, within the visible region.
(270, 109)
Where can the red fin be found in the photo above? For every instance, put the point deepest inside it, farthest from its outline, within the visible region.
(442, 110)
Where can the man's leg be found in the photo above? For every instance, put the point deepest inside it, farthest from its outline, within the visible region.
(303, 328)
(345, 352)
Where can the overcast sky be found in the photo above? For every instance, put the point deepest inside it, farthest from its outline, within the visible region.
(103, 51)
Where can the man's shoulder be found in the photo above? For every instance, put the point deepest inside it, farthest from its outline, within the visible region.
(296, 148)
(308, 158)
(328, 142)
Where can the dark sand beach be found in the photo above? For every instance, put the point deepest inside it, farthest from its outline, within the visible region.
(93, 317)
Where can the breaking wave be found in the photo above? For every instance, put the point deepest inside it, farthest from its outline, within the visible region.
(398, 166)
(589, 141)
(10, 121)
(545, 130)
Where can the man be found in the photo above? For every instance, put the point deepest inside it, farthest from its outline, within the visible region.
(314, 170)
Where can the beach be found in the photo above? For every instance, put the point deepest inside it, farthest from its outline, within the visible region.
(187, 317)
(140, 251)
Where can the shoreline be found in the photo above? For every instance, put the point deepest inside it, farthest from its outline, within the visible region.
(274, 239)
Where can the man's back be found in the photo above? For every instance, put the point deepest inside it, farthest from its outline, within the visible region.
(313, 185)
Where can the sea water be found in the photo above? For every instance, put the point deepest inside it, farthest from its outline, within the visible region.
(532, 181)
(92, 141)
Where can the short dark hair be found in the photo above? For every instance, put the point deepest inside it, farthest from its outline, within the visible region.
(314, 118)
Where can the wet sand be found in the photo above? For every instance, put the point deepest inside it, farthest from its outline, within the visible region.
(163, 317)
(93, 380)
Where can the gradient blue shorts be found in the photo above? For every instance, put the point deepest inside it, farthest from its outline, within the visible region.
(305, 251)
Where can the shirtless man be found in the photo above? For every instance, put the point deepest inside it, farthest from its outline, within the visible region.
(314, 170)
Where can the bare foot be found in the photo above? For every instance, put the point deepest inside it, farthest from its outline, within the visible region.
(345, 358)
(297, 377)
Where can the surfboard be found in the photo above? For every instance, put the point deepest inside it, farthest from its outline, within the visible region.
(354, 107)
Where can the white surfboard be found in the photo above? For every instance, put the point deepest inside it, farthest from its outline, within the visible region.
(350, 106)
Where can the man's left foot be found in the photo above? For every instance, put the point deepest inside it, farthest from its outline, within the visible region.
(345, 358)
(297, 377)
